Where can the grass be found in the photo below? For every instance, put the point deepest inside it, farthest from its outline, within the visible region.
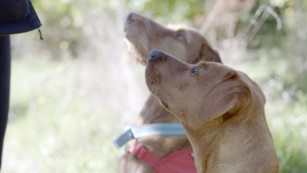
(62, 119)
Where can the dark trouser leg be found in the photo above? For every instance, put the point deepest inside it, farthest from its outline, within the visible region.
(5, 68)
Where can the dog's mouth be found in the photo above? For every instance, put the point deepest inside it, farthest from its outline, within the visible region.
(136, 37)
(153, 79)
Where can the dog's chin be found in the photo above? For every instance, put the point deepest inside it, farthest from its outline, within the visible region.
(154, 88)
(167, 107)
(152, 79)
(137, 52)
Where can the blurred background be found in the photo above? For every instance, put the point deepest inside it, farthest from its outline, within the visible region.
(75, 91)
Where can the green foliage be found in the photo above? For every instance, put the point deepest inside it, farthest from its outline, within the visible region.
(185, 11)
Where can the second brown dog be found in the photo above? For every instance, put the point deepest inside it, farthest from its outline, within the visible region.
(143, 35)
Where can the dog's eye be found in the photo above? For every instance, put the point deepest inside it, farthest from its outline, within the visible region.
(179, 36)
(194, 71)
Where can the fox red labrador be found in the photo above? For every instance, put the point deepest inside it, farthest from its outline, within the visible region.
(222, 112)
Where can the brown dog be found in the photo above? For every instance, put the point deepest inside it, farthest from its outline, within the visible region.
(222, 112)
(143, 35)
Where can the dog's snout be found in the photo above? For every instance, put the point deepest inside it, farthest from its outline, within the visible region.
(155, 55)
(132, 17)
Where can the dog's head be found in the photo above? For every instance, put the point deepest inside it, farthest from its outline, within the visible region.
(199, 93)
(144, 34)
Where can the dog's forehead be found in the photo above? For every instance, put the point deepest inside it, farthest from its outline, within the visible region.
(215, 67)
(177, 27)
(224, 68)
(184, 29)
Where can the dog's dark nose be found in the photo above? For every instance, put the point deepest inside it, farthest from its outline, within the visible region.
(155, 55)
(132, 17)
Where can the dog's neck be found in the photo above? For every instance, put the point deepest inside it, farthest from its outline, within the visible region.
(208, 140)
(236, 146)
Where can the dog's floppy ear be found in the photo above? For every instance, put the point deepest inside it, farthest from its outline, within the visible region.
(227, 96)
(208, 54)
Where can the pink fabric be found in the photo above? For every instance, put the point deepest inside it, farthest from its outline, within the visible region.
(143, 153)
(181, 161)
